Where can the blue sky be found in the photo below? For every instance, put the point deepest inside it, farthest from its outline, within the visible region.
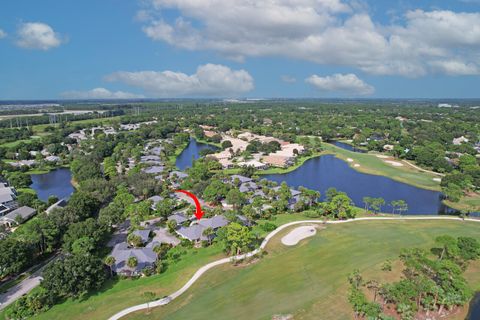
(298, 48)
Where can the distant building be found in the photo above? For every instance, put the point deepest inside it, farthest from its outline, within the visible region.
(278, 160)
(458, 141)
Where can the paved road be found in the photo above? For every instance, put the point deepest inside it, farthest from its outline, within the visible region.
(20, 289)
(208, 266)
(23, 287)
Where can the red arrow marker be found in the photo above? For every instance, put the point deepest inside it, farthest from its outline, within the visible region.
(198, 211)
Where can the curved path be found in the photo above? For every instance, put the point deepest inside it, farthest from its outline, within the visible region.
(211, 265)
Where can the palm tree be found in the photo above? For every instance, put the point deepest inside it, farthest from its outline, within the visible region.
(208, 233)
(110, 261)
(132, 262)
(149, 296)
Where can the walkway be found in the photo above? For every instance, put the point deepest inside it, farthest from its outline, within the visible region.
(211, 265)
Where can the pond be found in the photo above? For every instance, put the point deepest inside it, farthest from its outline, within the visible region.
(192, 151)
(474, 309)
(348, 147)
(328, 171)
(54, 183)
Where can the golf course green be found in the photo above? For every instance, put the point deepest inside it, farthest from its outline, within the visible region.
(309, 281)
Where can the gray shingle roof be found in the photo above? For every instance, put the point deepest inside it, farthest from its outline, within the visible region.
(241, 178)
(143, 234)
(214, 222)
(248, 186)
(192, 233)
(179, 218)
(24, 212)
(153, 169)
(145, 257)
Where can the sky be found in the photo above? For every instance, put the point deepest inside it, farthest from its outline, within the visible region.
(124, 49)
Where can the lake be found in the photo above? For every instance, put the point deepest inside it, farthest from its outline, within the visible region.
(54, 183)
(348, 147)
(474, 309)
(192, 151)
(328, 171)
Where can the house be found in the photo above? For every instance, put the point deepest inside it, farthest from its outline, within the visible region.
(248, 187)
(17, 216)
(154, 169)
(253, 163)
(59, 204)
(388, 147)
(240, 178)
(192, 233)
(8, 196)
(243, 220)
(155, 200)
(178, 174)
(52, 159)
(458, 141)
(156, 151)
(177, 217)
(195, 231)
(278, 160)
(143, 234)
(146, 257)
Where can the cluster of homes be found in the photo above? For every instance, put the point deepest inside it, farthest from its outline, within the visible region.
(84, 134)
(187, 227)
(228, 158)
(10, 213)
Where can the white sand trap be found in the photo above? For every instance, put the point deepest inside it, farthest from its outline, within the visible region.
(381, 156)
(356, 165)
(437, 179)
(298, 234)
(394, 163)
(349, 159)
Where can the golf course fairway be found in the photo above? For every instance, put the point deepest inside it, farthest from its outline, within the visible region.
(309, 280)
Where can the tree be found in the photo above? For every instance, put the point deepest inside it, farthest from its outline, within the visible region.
(376, 204)
(149, 297)
(208, 233)
(453, 192)
(235, 198)
(449, 247)
(172, 225)
(134, 240)
(83, 246)
(110, 261)
(15, 256)
(237, 238)
(132, 262)
(73, 276)
(341, 207)
(227, 144)
(368, 202)
(215, 191)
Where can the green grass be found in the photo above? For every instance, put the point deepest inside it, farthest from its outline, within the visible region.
(308, 281)
(371, 164)
(468, 203)
(39, 128)
(124, 293)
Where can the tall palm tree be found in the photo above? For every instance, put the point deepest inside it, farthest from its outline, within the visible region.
(110, 261)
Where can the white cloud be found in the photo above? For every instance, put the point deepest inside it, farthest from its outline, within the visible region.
(3, 34)
(348, 84)
(208, 80)
(322, 31)
(288, 79)
(100, 93)
(37, 35)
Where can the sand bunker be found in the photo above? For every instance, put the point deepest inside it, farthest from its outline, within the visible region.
(356, 165)
(349, 159)
(394, 163)
(298, 234)
(437, 179)
(381, 156)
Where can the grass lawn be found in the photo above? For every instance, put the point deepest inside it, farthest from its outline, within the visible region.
(125, 293)
(308, 281)
(469, 202)
(371, 164)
